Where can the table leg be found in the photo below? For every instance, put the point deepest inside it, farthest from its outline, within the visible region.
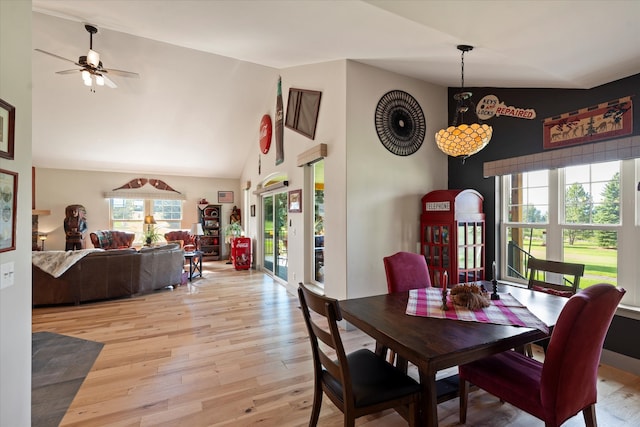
(198, 266)
(190, 269)
(429, 415)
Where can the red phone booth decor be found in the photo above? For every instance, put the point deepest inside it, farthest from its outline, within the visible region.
(452, 233)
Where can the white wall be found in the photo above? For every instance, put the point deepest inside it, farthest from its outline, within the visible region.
(58, 188)
(15, 301)
(384, 190)
(372, 197)
(188, 108)
(329, 78)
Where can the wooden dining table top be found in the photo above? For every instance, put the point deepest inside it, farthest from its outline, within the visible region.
(434, 344)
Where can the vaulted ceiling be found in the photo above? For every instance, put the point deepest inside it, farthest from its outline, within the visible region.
(202, 63)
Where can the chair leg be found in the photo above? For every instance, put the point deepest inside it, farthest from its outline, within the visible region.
(381, 350)
(317, 404)
(464, 400)
(589, 414)
(349, 420)
(413, 414)
(529, 350)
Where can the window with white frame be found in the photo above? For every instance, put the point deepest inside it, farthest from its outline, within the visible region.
(317, 192)
(572, 214)
(128, 215)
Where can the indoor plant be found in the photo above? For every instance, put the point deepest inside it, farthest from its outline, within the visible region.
(151, 235)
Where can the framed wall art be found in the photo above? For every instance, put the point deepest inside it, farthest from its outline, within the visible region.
(608, 120)
(225, 196)
(8, 190)
(295, 201)
(7, 129)
(303, 107)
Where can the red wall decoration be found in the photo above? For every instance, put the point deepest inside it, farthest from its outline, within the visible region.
(604, 121)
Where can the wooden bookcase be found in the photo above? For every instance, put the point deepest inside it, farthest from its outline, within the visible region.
(452, 235)
(211, 220)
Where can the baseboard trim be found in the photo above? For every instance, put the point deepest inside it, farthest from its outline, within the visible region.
(620, 361)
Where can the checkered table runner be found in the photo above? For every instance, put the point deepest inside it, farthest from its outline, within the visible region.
(427, 302)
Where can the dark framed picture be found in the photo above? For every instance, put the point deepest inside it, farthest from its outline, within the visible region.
(7, 129)
(225, 196)
(8, 190)
(295, 201)
(253, 210)
(303, 107)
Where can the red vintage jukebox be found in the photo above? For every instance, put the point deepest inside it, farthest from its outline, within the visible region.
(452, 233)
(241, 253)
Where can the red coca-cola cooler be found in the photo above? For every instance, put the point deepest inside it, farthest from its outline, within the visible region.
(241, 253)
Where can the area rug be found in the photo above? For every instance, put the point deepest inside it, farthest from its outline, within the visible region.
(59, 365)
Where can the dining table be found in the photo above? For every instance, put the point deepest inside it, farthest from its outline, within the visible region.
(434, 344)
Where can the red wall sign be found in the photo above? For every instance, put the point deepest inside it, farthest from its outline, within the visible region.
(265, 133)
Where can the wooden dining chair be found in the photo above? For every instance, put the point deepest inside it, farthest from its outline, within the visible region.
(565, 383)
(539, 280)
(358, 383)
(540, 272)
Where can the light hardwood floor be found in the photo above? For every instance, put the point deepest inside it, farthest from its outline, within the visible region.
(231, 349)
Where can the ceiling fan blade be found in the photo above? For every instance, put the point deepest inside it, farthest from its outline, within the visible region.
(57, 56)
(109, 82)
(67, 71)
(120, 73)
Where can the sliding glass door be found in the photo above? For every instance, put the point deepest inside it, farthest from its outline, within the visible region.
(274, 225)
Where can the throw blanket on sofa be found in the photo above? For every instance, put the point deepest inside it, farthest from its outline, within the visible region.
(57, 262)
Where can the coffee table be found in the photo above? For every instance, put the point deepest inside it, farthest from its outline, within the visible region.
(195, 263)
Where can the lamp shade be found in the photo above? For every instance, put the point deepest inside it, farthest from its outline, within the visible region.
(464, 140)
(196, 229)
(93, 58)
(460, 139)
(149, 219)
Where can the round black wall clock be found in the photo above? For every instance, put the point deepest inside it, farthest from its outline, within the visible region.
(400, 123)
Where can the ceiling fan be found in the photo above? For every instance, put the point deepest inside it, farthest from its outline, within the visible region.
(91, 68)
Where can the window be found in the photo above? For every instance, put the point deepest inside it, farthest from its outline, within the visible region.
(528, 214)
(573, 214)
(318, 221)
(128, 215)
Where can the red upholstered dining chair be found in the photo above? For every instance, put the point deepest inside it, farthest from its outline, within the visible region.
(405, 271)
(358, 383)
(565, 383)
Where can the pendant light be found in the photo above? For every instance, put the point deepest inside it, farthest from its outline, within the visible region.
(463, 140)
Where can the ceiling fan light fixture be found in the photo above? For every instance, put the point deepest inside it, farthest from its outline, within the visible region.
(93, 58)
(463, 140)
(87, 82)
(99, 80)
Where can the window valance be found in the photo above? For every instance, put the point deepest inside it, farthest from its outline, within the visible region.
(136, 194)
(607, 151)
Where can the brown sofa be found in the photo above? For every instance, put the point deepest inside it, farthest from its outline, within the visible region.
(110, 274)
(112, 239)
